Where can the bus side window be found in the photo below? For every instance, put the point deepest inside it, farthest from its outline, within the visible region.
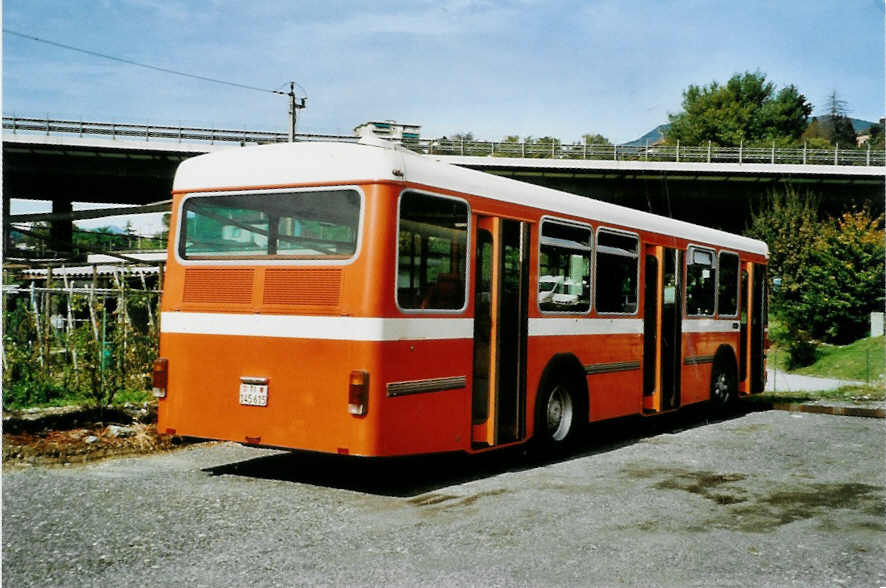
(700, 282)
(432, 252)
(564, 273)
(727, 294)
(618, 270)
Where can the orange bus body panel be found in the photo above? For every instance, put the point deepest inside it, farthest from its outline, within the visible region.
(697, 377)
(307, 398)
(308, 393)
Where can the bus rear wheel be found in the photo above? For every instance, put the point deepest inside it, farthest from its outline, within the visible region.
(724, 389)
(557, 415)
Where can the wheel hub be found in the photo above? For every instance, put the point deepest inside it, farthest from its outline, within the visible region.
(559, 413)
(721, 387)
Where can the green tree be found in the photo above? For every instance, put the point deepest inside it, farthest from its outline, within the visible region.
(595, 139)
(509, 147)
(838, 122)
(747, 108)
(542, 147)
(100, 238)
(843, 282)
(835, 127)
(826, 275)
(131, 235)
(789, 223)
(816, 135)
(877, 139)
(453, 145)
(163, 235)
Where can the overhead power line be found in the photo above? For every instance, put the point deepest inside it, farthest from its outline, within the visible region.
(144, 65)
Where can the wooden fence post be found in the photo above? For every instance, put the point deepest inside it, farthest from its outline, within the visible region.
(69, 286)
(92, 316)
(37, 330)
(47, 323)
(141, 275)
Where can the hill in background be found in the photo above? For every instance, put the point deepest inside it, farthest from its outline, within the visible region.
(656, 134)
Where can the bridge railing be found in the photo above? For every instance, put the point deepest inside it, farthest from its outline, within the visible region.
(671, 153)
(148, 132)
(540, 150)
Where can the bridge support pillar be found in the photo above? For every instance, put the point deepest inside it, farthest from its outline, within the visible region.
(62, 231)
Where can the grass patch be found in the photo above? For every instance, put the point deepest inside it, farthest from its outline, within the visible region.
(49, 396)
(132, 397)
(863, 360)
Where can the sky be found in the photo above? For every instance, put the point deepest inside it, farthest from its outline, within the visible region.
(493, 68)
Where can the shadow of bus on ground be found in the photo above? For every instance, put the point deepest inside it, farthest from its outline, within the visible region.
(415, 475)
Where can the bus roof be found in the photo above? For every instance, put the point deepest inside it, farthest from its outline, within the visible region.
(285, 164)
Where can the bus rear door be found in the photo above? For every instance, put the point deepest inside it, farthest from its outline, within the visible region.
(501, 290)
(662, 325)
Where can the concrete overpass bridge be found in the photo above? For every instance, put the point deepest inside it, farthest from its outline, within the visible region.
(68, 161)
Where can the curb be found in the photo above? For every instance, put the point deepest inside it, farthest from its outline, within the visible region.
(853, 411)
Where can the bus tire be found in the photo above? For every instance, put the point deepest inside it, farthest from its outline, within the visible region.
(724, 383)
(557, 417)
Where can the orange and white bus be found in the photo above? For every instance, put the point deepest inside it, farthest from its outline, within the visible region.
(357, 298)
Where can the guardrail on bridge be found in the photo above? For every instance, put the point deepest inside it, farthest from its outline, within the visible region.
(709, 153)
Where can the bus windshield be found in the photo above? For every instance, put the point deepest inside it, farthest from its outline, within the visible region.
(304, 224)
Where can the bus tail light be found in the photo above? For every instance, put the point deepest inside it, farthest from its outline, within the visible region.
(160, 376)
(358, 392)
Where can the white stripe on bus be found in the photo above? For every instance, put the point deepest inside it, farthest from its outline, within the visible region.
(585, 326)
(338, 328)
(710, 326)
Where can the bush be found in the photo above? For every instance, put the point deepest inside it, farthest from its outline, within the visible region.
(79, 367)
(801, 352)
(843, 281)
(831, 271)
(37, 391)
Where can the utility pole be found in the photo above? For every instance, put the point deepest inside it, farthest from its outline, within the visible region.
(294, 106)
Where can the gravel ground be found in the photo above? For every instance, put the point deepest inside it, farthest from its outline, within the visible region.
(765, 498)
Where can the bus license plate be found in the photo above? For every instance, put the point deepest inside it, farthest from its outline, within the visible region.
(253, 394)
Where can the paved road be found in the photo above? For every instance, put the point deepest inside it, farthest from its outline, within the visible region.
(784, 382)
(765, 498)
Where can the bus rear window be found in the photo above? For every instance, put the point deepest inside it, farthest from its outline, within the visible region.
(300, 225)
